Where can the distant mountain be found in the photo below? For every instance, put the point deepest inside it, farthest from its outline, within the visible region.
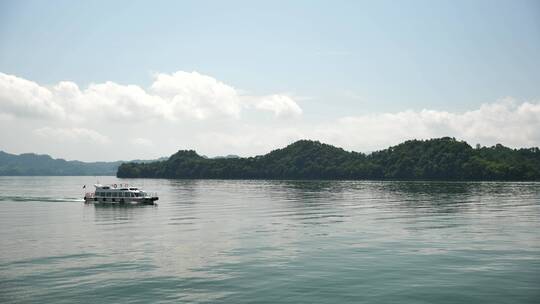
(35, 164)
(219, 157)
(439, 159)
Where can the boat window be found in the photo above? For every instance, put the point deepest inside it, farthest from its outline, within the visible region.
(108, 194)
(121, 194)
(107, 187)
(132, 194)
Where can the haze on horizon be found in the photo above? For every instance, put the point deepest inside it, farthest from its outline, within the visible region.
(139, 80)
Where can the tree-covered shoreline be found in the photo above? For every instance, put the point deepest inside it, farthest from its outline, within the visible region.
(434, 159)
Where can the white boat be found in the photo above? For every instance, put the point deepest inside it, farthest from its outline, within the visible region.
(119, 194)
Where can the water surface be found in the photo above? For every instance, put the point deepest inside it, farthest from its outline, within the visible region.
(271, 241)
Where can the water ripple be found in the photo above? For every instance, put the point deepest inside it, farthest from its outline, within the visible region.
(271, 241)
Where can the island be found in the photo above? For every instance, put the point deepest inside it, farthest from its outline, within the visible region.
(434, 159)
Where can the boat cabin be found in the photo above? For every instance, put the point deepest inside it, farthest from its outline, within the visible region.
(118, 191)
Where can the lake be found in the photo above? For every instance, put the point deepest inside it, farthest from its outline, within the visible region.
(271, 241)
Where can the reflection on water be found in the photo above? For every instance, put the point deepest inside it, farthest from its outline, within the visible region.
(271, 241)
(431, 188)
(112, 213)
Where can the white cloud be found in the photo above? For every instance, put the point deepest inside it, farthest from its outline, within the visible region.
(197, 95)
(194, 111)
(504, 121)
(73, 135)
(119, 103)
(174, 97)
(23, 98)
(280, 105)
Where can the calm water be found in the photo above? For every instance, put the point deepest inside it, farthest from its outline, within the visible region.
(271, 241)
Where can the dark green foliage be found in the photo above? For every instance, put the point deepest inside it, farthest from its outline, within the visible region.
(432, 159)
(442, 158)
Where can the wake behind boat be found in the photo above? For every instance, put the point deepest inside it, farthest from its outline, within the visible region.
(119, 194)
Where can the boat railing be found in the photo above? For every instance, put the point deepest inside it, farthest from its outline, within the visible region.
(92, 195)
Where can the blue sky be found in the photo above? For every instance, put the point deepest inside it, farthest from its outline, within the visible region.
(334, 58)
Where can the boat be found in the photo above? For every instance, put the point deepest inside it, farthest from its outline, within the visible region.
(119, 194)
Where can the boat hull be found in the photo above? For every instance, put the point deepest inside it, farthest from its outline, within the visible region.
(121, 201)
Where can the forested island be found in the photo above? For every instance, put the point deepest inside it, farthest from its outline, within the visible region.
(435, 159)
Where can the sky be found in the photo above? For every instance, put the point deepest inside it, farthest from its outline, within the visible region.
(111, 80)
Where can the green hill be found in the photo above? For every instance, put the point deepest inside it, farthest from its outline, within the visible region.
(441, 158)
